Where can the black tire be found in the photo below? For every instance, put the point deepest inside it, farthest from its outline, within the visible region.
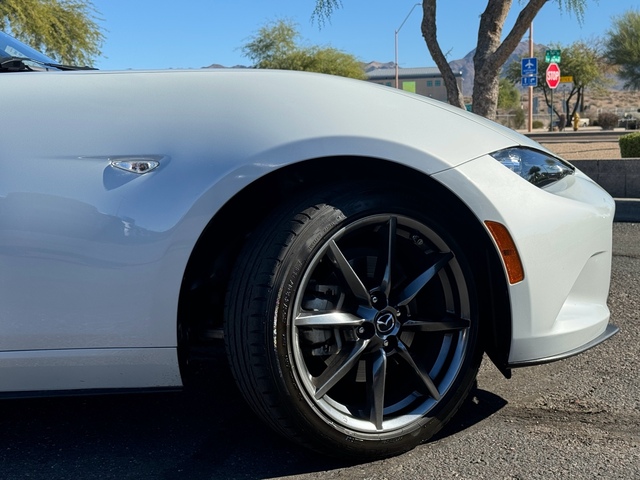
(335, 350)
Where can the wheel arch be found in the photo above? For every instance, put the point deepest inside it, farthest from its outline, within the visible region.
(201, 302)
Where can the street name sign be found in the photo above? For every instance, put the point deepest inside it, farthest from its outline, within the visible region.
(552, 56)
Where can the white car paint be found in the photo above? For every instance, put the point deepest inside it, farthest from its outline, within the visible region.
(92, 258)
(562, 302)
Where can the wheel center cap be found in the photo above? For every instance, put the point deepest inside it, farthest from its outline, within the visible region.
(385, 323)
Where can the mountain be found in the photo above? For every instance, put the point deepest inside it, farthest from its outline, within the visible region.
(217, 65)
(465, 65)
(368, 67)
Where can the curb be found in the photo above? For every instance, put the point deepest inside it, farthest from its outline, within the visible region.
(571, 136)
(627, 210)
(621, 178)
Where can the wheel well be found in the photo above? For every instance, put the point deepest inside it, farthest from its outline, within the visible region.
(202, 296)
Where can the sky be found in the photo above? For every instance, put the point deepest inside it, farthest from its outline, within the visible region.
(160, 34)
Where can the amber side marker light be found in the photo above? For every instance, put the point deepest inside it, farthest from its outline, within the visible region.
(508, 251)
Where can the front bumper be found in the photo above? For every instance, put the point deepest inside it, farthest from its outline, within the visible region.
(609, 331)
(564, 237)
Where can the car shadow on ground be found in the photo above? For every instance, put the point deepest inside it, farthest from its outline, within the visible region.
(203, 433)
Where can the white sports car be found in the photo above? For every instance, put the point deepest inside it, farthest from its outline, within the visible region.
(356, 248)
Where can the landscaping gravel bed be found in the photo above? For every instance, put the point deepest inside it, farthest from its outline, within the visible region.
(586, 151)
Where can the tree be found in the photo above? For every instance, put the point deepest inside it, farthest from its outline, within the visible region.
(623, 48)
(65, 30)
(491, 51)
(508, 95)
(275, 46)
(509, 104)
(584, 62)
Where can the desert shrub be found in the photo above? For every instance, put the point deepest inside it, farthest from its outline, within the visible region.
(630, 145)
(537, 124)
(608, 121)
(519, 118)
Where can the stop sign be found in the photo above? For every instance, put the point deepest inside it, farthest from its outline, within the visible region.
(553, 75)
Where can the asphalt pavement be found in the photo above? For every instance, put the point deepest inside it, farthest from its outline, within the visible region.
(576, 419)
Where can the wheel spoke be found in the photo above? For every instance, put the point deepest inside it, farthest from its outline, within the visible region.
(411, 290)
(376, 387)
(339, 365)
(424, 376)
(327, 319)
(447, 324)
(385, 286)
(354, 282)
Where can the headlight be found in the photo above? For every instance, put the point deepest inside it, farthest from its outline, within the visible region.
(538, 168)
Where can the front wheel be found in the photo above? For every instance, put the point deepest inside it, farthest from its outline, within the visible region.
(352, 324)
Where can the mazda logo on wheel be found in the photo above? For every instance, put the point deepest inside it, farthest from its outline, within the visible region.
(385, 323)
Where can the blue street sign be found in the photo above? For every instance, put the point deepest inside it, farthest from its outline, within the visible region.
(529, 81)
(529, 66)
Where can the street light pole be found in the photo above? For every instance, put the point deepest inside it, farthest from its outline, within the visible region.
(530, 115)
(396, 38)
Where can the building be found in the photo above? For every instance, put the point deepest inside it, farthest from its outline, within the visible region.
(425, 81)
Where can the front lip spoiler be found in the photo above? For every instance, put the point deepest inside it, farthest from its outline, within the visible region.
(610, 331)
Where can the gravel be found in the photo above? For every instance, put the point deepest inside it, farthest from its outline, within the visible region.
(586, 151)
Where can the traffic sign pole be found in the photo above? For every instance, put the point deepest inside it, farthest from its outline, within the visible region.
(553, 79)
(551, 113)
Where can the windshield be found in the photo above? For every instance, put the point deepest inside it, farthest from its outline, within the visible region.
(10, 47)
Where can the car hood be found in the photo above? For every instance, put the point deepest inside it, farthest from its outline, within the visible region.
(234, 117)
